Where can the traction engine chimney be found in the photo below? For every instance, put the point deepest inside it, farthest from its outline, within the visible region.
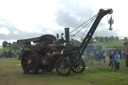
(67, 34)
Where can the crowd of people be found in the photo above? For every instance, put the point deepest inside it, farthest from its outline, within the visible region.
(114, 58)
(96, 56)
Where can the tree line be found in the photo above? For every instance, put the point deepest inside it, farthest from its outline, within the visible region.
(97, 39)
(13, 46)
(106, 39)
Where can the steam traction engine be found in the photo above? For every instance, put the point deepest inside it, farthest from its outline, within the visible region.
(51, 52)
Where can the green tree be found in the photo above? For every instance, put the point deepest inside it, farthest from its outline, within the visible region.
(75, 42)
(117, 39)
(106, 39)
(125, 39)
(112, 39)
(5, 44)
(96, 38)
(9, 44)
(101, 39)
(14, 46)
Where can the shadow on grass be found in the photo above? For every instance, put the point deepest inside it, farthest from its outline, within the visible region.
(87, 71)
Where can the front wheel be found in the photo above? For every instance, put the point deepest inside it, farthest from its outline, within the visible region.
(63, 66)
(30, 62)
(79, 66)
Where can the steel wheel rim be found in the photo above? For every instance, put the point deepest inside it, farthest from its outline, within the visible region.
(63, 67)
(78, 67)
(29, 62)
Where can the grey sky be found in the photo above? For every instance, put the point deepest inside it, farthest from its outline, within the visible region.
(31, 18)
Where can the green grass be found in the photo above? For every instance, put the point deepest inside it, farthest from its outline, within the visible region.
(1, 50)
(11, 74)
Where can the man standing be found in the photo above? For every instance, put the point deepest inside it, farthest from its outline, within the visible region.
(114, 60)
(98, 57)
(92, 56)
(117, 59)
(111, 59)
(104, 55)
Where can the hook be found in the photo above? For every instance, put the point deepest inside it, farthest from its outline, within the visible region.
(110, 21)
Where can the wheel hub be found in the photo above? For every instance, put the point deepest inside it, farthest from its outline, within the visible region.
(29, 61)
(62, 66)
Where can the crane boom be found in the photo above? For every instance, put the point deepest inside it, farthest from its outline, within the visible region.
(89, 35)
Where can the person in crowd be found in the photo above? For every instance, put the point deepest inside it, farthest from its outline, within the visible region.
(126, 60)
(123, 54)
(98, 58)
(117, 60)
(104, 55)
(92, 56)
(114, 62)
(111, 60)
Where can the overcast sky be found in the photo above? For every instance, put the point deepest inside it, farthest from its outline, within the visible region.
(21, 19)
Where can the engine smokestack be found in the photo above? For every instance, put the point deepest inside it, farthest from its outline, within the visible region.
(67, 34)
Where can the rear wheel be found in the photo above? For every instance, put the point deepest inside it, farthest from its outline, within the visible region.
(79, 66)
(63, 66)
(30, 62)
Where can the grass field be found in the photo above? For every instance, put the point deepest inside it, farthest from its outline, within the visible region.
(11, 74)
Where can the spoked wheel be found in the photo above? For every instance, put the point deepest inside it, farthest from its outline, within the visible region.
(79, 66)
(63, 66)
(30, 62)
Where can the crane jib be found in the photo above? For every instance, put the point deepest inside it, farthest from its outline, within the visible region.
(89, 35)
